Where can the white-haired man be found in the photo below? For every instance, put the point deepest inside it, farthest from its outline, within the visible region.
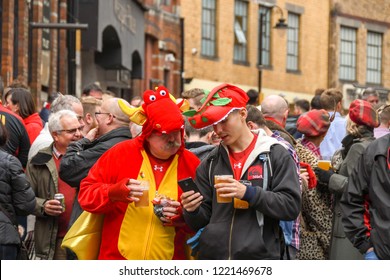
(51, 217)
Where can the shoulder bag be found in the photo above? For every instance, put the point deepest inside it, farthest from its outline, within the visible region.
(84, 237)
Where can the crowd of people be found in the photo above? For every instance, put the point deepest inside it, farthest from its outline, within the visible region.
(266, 179)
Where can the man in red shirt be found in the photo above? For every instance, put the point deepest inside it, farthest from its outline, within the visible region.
(113, 185)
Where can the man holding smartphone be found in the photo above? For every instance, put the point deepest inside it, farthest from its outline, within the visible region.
(273, 194)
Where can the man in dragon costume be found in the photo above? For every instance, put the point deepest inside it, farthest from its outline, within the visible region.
(113, 184)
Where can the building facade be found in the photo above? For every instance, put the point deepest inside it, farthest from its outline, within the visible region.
(359, 47)
(222, 44)
(112, 48)
(134, 45)
(128, 46)
(234, 41)
(131, 46)
(33, 55)
(163, 45)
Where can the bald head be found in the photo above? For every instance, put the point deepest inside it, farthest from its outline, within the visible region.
(276, 107)
(111, 105)
(111, 116)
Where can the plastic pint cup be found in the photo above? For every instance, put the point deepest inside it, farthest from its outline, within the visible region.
(221, 179)
(144, 199)
(239, 203)
(324, 164)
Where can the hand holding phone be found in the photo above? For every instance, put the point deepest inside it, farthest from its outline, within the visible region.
(190, 202)
(188, 184)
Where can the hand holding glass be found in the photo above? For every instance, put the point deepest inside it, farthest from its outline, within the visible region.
(144, 199)
(222, 179)
(324, 164)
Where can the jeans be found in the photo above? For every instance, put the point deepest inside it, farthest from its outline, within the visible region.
(371, 256)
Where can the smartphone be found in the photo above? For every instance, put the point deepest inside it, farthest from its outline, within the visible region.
(188, 184)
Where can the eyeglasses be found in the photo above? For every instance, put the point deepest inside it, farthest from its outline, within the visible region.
(101, 113)
(71, 131)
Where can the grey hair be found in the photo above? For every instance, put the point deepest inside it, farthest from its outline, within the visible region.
(369, 92)
(64, 102)
(55, 119)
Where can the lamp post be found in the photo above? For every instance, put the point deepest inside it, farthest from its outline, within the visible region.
(281, 24)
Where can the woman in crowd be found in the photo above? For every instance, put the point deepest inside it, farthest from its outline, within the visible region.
(16, 198)
(316, 214)
(360, 126)
(21, 102)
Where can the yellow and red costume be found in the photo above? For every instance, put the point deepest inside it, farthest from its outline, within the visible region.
(131, 232)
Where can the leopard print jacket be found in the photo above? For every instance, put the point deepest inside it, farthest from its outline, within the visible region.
(316, 215)
(316, 212)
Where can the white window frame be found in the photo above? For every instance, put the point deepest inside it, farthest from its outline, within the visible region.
(347, 64)
(374, 57)
(293, 22)
(209, 10)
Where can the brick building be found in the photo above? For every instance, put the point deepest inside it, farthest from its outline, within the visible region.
(222, 44)
(133, 45)
(35, 56)
(163, 45)
(129, 45)
(359, 47)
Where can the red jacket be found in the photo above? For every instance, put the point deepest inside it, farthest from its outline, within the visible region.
(116, 166)
(33, 125)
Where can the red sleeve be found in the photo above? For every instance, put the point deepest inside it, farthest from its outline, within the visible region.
(33, 132)
(119, 163)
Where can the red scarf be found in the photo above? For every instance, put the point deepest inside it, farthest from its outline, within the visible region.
(273, 120)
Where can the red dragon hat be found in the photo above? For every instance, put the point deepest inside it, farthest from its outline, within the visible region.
(217, 105)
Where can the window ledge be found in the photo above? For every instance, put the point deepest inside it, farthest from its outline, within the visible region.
(347, 81)
(296, 72)
(214, 58)
(243, 63)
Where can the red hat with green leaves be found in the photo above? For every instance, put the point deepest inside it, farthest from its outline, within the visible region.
(217, 105)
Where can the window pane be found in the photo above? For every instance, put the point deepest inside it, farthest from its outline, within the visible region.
(374, 57)
(347, 67)
(264, 50)
(240, 30)
(208, 46)
(292, 41)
